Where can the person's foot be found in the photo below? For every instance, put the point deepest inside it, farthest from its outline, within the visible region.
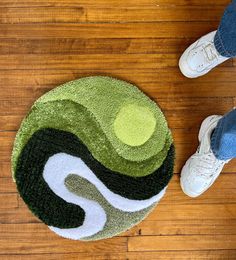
(200, 57)
(202, 168)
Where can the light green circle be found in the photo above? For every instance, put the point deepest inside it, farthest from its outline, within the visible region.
(134, 124)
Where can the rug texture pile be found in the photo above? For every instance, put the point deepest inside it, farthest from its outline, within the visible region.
(92, 158)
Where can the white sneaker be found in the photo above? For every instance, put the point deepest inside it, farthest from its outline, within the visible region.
(202, 168)
(200, 57)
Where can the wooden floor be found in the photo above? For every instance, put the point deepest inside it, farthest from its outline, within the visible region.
(44, 43)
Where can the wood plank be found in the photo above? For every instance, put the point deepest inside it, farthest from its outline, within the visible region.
(19, 215)
(90, 61)
(148, 76)
(104, 4)
(155, 14)
(186, 89)
(93, 46)
(183, 227)
(7, 185)
(194, 211)
(192, 105)
(32, 241)
(160, 255)
(6, 140)
(109, 14)
(5, 169)
(8, 201)
(159, 83)
(194, 242)
(160, 90)
(127, 30)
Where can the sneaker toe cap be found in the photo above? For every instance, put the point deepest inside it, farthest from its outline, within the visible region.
(192, 185)
(185, 68)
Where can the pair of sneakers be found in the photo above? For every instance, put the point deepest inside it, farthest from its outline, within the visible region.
(202, 168)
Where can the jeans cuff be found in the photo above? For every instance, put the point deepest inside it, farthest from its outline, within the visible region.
(220, 46)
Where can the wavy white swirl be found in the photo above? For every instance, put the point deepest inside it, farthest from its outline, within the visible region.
(60, 165)
(91, 225)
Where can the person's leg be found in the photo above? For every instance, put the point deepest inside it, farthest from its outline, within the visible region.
(223, 140)
(217, 146)
(225, 38)
(212, 49)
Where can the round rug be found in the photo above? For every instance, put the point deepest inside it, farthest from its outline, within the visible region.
(93, 157)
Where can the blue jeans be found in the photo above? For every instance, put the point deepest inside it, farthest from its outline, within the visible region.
(223, 140)
(225, 39)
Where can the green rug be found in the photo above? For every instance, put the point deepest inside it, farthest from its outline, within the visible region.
(92, 158)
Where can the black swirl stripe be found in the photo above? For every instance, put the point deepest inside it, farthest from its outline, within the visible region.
(51, 141)
(41, 200)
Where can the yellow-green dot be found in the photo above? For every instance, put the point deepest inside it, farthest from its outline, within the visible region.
(134, 124)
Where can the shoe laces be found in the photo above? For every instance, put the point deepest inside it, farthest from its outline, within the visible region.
(208, 165)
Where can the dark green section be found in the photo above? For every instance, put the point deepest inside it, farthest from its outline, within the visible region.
(41, 200)
(129, 187)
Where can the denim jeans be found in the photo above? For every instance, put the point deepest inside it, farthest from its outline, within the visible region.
(223, 140)
(225, 39)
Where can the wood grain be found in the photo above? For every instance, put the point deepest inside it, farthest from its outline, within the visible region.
(45, 43)
(94, 46)
(107, 30)
(8, 201)
(163, 255)
(151, 243)
(32, 241)
(83, 14)
(114, 3)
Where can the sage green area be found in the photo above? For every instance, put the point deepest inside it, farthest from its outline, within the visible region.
(134, 125)
(74, 118)
(117, 221)
(104, 97)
